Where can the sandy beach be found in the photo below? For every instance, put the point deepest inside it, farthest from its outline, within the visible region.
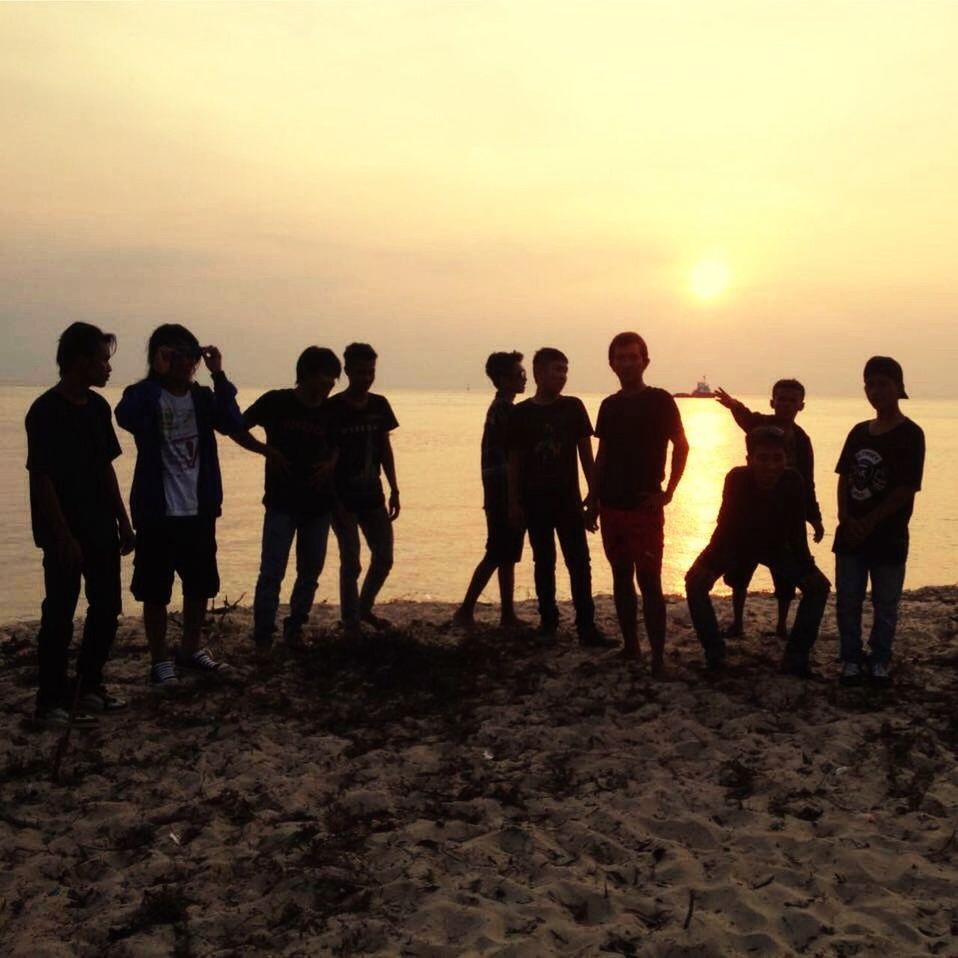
(432, 793)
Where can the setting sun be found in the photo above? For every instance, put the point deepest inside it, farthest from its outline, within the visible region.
(709, 279)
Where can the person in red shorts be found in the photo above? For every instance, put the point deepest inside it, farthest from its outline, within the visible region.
(635, 427)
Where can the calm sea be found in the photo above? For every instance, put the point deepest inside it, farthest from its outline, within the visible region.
(441, 532)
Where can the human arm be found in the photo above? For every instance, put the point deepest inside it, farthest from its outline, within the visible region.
(856, 531)
(680, 456)
(246, 440)
(584, 446)
(125, 529)
(47, 505)
(389, 469)
(516, 514)
(742, 415)
(592, 499)
(137, 409)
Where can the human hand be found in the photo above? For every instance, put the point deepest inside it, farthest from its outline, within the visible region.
(127, 537)
(213, 358)
(657, 500)
(855, 531)
(725, 399)
(394, 505)
(819, 531)
(320, 473)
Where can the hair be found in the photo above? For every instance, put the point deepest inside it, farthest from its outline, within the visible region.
(548, 354)
(81, 341)
(500, 364)
(789, 384)
(627, 339)
(358, 353)
(169, 334)
(315, 360)
(764, 436)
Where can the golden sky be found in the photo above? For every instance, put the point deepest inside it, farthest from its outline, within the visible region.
(444, 179)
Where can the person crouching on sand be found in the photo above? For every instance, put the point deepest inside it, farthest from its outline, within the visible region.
(761, 522)
(177, 491)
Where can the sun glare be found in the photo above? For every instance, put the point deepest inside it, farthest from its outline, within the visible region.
(709, 279)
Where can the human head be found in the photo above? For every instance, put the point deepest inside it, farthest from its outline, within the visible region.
(628, 357)
(766, 456)
(884, 368)
(788, 399)
(84, 351)
(550, 369)
(317, 370)
(182, 347)
(359, 362)
(506, 372)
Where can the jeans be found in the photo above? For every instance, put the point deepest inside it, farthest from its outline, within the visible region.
(851, 581)
(788, 571)
(569, 526)
(279, 528)
(377, 530)
(100, 570)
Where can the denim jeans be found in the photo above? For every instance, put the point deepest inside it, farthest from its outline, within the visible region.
(569, 527)
(377, 530)
(101, 575)
(789, 572)
(279, 528)
(851, 580)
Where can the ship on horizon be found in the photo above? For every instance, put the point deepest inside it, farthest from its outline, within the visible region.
(702, 391)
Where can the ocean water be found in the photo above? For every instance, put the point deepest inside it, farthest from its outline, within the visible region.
(441, 531)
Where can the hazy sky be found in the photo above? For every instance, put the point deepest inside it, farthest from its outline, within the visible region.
(443, 179)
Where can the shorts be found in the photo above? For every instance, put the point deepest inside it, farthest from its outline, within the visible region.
(504, 540)
(634, 535)
(183, 545)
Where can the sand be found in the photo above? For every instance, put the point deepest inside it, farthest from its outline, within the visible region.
(429, 793)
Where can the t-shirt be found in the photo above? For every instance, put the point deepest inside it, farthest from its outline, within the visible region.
(546, 438)
(180, 453)
(304, 435)
(495, 454)
(635, 431)
(873, 467)
(764, 525)
(73, 445)
(362, 435)
(798, 453)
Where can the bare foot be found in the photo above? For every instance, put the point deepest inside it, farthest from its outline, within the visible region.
(513, 622)
(377, 622)
(463, 620)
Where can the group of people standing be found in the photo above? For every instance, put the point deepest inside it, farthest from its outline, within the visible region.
(531, 454)
(324, 461)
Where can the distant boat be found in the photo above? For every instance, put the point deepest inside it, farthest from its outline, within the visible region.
(702, 391)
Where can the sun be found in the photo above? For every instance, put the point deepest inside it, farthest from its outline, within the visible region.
(710, 278)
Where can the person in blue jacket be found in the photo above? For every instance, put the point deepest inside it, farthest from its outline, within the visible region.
(177, 491)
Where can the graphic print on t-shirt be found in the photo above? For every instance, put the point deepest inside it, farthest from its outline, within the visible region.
(868, 475)
(180, 454)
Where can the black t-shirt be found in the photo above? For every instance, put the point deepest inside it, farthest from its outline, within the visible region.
(873, 466)
(73, 445)
(362, 435)
(763, 525)
(495, 454)
(305, 436)
(546, 437)
(635, 431)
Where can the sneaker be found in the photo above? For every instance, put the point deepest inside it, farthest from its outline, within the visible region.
(592, 637)
(202, 662)
(163, 675)
(881, 675)
(851, 674)
(60, 718)
(100, 700)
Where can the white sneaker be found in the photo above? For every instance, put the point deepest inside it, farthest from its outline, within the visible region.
(881, 674)
(851, 674)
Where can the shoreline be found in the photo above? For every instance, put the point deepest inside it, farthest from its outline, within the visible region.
(425, 793)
